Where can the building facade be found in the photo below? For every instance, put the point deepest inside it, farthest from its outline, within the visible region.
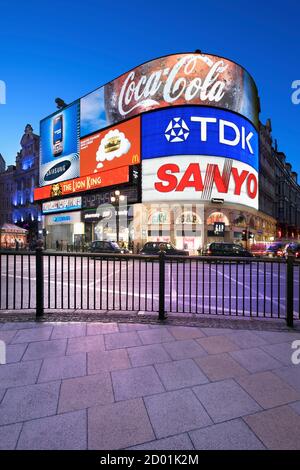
(180, 138)
(287, 199)
(17, 183)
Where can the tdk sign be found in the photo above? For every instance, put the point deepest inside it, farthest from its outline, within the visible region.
(199, 130)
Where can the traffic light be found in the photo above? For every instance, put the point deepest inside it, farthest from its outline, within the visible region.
(244, 235)
(250, 236)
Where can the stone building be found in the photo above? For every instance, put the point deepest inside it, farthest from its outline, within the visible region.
(17, 184)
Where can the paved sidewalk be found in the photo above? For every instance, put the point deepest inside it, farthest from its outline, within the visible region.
(140, 386)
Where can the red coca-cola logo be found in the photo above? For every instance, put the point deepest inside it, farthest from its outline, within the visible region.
(172, 84)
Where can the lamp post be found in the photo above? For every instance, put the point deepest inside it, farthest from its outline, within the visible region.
(115, 200)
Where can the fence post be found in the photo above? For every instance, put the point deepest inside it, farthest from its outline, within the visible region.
(161, 311)
(290, 290)
(39, 270)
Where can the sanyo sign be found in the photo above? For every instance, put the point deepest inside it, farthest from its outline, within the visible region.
(2, 92)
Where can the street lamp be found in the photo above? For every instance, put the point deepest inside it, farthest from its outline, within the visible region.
(115, 200)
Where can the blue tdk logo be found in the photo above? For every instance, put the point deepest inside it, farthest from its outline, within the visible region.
(177, 130)
(57, 170)
(199, 130)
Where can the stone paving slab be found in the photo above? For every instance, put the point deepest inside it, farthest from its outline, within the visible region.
(217, 344)
(268, 390)
(278, 428)
(20, 373)
(62, 432)
(85, 344)
(32, 334)
(217, 399)
(2, 393)
(176, 412)
(122, 340)
(101, 328)
(99, 361)
(282, 352)
(231, 435)
(185, 332)
(148, 355)
(29, 402)
(84, 392)
(15, 352)
(255, 360)
(180, 374)
(290, 375)
(156, 335)
(296, 406)
(7, 336)
(246, 339)
(117, 385)
(184, 349)
(136, 382)
(45, 349)
(64, 367)
(220, 367)
(119, 425)
(69, 330)
(179, 442)
(9, 436)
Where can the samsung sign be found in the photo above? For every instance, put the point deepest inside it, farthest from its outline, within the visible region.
(199, 130)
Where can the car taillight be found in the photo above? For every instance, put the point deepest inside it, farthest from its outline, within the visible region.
(208, 252)
(279, 253)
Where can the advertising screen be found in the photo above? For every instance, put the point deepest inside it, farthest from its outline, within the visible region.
(115, 147)
(179, 79)
(198, 179)
(85, 183)
(61, 205)
(199, 130)
(59, 146)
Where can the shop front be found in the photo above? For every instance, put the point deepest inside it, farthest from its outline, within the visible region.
(63, 230)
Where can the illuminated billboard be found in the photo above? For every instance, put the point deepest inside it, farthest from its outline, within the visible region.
(199, 130)
(85, 183)
(115, 147)
(61, 205)
(199, 178)
(179, 79)
(59, 146)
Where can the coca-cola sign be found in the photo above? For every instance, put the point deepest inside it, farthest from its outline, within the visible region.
(179, 79)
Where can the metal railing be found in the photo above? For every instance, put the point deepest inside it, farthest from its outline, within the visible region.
(240, 287)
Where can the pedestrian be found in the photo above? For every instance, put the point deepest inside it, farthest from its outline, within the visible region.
(57, 245)
(17, 244)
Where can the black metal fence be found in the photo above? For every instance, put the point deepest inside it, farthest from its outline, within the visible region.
(253, 287)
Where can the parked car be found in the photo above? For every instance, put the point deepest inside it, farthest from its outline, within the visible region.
(275, 250)
(99, 246)
(259, 249)
(153, 248)
(293, 248)
(228, 249)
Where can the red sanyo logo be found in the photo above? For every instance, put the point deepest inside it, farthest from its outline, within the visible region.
(192, 179)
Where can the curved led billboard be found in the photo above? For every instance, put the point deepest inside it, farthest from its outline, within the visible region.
(199, 130)
(179, 79)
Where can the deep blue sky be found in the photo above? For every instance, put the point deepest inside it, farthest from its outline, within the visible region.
(68, 48)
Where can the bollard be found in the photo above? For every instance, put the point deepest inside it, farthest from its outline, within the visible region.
(161, 312)
(290, 290)
(39, 270)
